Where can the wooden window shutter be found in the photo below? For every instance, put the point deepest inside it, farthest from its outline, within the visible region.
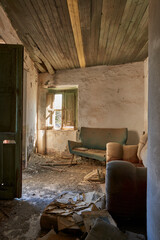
(49, 109)
(69, 109)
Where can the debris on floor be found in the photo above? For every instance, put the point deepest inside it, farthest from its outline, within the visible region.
(82, 214)
(104, 231)
(66, 211)
(20, 218)
(60, 236)
(97, 175)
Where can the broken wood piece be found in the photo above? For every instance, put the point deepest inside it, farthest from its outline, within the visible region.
(97, 175)
(52, 169)
(59, 164)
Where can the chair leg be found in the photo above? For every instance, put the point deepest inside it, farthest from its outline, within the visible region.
(72, 159)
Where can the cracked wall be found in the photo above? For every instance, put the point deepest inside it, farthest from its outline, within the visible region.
(108, 96)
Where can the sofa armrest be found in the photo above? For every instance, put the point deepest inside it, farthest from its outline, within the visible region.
(125, 189)
(114, 151)
(72, 145)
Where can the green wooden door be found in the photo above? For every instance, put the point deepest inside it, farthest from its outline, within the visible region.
(11, 71)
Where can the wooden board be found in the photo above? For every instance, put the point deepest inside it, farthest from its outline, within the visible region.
(65, 34)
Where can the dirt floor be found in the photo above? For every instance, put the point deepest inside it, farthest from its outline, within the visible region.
(42, 182)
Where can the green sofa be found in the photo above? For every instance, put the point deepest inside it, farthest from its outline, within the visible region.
(94, 140)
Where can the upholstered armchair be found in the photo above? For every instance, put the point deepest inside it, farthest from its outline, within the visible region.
(126, 179)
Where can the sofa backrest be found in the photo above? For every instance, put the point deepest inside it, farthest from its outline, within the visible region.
(96, 138)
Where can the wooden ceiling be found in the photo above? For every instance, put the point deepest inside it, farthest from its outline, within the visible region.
(62, 34)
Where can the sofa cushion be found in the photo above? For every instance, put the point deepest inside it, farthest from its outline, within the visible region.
(96, 138)
(130, 153)
(114, 151)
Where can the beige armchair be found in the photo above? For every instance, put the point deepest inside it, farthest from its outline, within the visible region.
(136, 154)
(126, 179)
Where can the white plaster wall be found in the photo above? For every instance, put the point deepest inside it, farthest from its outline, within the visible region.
(57, 141)
(9, 35)
(146, 95)
(109, 96)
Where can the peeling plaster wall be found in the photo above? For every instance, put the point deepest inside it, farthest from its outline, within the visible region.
(109, 96)
(146, 95)
(9, 35)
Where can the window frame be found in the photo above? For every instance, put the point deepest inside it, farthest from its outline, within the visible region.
(52, 92)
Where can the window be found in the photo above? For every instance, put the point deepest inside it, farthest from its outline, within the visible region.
(61, 109)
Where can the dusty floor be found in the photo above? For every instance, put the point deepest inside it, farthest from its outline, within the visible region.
(19, 219)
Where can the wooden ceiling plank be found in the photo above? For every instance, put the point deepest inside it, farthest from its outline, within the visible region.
(85, 21)
(129, 11)
(39, 22)
(62, 20)
(38, 53)
(75, 21)
(95, 31)
(48, 32)
(12, 12)
(66, 23)
(40, 38)
(107, 10)
(39, 67)
(138, 40)
(143, 53)
(62, 52)
(57, 33)
(114, 26)
(131, 31)
(35, 30)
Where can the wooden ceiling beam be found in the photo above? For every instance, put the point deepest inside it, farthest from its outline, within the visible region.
(76, 27)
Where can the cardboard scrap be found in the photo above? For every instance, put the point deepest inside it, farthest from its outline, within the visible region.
(90, 218)
(105, 231)
(66, 223)
(67, 207)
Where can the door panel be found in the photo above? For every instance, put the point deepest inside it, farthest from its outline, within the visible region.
(11, 69)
